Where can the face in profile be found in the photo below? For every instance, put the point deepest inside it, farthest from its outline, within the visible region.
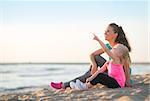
(109, 34)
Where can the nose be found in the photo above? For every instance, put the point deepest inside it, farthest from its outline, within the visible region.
(105, 33)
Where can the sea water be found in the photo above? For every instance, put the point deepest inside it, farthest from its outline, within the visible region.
(13, 76)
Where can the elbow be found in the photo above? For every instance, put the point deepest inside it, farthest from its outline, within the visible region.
(91, 55)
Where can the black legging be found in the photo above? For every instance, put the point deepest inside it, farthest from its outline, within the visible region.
(99, 61)
(106, 80)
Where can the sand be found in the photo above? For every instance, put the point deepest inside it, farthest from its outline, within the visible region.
(139, 92)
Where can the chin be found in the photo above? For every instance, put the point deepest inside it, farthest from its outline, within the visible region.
(106, 39)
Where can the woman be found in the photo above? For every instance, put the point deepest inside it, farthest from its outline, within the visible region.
(116, 75)
(114, 35)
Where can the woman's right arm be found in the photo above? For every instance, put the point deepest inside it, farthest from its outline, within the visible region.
(92, 55)
(97, 52)
(93, 62)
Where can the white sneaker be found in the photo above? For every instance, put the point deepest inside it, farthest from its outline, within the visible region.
(74, 86)
(81, 85)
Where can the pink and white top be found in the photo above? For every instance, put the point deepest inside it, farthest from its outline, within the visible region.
(116, 71)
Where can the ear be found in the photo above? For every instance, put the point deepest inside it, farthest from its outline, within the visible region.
(116, 34)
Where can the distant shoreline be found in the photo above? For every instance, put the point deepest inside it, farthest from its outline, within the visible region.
(144, 63)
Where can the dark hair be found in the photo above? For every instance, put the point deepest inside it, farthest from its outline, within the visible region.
(121, 38)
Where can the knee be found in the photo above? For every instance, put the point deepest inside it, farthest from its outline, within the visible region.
(97, 57)
(99, 60)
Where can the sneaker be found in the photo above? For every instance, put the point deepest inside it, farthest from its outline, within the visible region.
(81, 85)
(56, 85)
(74, 86)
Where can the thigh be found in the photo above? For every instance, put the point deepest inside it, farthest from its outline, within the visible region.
(100, 61)
(106, 80)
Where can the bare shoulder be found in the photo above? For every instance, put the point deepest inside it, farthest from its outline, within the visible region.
(121, 47)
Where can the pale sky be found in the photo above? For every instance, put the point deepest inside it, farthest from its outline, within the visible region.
(61, 31)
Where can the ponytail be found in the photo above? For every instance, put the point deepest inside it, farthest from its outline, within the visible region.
(121, 38)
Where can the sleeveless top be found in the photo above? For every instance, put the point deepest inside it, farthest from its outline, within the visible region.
(116, 71)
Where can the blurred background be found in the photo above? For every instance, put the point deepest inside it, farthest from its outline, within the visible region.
(50, 40)
(33, 31)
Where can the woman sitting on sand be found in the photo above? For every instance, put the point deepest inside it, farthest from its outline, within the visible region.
(114, 35)
(115, 77)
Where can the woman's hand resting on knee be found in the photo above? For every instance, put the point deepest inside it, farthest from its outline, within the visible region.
(88, 79)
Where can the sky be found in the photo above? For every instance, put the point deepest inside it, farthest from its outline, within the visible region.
(61, 31)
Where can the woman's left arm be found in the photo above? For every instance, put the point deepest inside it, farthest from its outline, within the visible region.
(101, 70)
(127, 74)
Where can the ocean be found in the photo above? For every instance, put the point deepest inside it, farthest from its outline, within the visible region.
(13, 76)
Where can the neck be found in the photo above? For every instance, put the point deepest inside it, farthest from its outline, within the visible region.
(112, 43)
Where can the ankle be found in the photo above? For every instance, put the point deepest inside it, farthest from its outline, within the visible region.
(63, 86)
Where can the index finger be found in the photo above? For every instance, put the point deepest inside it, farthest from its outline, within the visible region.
(94, 34)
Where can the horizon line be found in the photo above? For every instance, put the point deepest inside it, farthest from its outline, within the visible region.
(148, 63)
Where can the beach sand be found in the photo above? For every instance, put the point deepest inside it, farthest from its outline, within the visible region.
(139, 92)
